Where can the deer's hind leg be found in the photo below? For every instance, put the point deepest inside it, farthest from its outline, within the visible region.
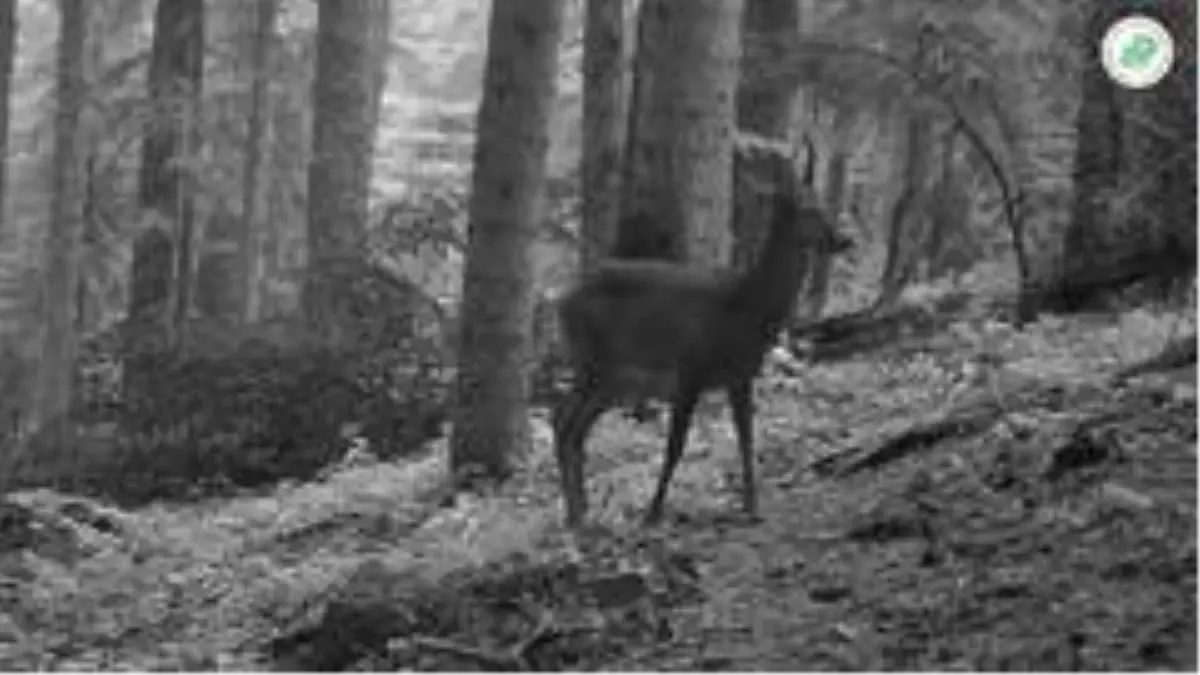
(741, 406)
(682, 410)
(573, 419)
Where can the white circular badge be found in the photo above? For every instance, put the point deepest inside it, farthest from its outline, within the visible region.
(1137, 52)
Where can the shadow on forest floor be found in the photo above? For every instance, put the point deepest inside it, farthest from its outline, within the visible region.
(994, 501)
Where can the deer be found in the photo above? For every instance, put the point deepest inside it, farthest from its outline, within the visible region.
(643, 329)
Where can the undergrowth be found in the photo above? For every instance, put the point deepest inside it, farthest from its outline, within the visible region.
(246, 581)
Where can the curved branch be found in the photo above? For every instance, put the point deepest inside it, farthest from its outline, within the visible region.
(1010, 195)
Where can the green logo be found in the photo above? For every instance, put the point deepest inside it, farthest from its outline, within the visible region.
(1137, 52)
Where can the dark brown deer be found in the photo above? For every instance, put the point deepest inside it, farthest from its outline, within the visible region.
(650, 329)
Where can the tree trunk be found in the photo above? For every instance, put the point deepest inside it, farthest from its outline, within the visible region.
(190, 70)
(88, 307)
(1159, 151)
(162, 258)
(57, 363)
(603, 126)
(641, 234)
(764, 107)
(339, 176)
(490, 417)
(910, 213)
(1097, 167)
(219, 274)
(250, 244)
(952, 246)
(683, 159)
(1189, 24)
(816, 295)
(1135, 173)
(381, 51)
(8, 45)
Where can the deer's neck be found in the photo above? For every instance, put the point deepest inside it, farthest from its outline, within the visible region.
(767, 290)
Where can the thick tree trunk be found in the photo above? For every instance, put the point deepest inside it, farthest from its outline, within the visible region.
(57, 363)
(490, 417)
(603, 126)
(1159, 147)
(1134, 213)
(219, 281)
(339, 176)
(640, 233)
(162, 252)
(764, 107)
(175, 62)
(683, 160)
(1097, 165)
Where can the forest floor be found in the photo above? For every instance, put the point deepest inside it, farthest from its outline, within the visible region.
(990, 500)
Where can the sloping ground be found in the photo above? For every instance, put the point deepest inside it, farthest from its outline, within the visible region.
(1056, 530)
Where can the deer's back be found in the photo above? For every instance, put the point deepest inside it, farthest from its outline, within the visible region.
(654, 315)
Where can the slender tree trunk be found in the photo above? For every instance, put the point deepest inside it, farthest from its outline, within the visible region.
(683, 160)
(381, 51)
(8, 46)
(99, 32)
(340, 174)
(603, 126)
(250, 244)
(951, 247)
(816, 295)
(57, 364)
(909, 231)
(495, 341)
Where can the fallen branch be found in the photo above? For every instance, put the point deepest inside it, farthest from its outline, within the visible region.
(970, 419)
(512, 659)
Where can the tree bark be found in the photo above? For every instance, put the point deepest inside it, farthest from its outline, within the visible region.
(909, 219)
(490, 417)
(1135, 173)
(339, 176)
(250, 244)
(57, 363)
(8, 46)
(219, 276)
(88, 307)
(682, 162)
(603, 127)
(381, 50)
(764, 107)
(641, 234)
(1159, 150)
(161, 269)
(163, 259)
(1097, 166)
